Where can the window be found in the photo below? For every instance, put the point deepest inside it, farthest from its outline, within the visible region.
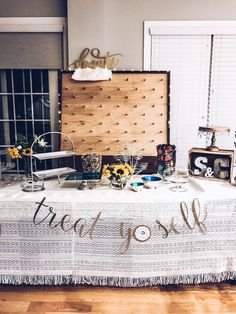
(25, 105)
(201, 58)
(34, 49)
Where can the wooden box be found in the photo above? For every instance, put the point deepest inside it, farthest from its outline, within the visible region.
(211, 165)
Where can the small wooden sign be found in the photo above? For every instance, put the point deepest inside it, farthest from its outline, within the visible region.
(211, 165)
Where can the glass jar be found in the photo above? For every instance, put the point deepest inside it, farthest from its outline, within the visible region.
(118, 183)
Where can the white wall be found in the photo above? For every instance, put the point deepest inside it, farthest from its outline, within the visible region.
(117, 25)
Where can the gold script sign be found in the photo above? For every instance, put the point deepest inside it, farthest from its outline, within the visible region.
(191, 217)
(108, 61)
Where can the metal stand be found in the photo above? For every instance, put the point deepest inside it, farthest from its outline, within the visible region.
(213, 131)
(85, 185)
(33, 183)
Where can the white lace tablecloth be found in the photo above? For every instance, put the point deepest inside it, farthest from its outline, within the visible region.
(66, 236)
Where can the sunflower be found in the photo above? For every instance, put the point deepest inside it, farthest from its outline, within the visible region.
(120, 171)
(106, 171)
(14, 153)
(27, 151)
(129, 168)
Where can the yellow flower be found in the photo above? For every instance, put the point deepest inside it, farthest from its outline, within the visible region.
(27, 152)
(105, 171)
(14, 153)
(130, 169)
(120, 170)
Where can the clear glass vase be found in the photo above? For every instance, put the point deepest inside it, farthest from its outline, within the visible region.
(27, 166)
(118, 183)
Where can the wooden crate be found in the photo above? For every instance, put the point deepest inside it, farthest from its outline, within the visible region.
(219, 163)
(104, 117)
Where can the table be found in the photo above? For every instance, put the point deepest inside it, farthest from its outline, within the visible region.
(118, 238)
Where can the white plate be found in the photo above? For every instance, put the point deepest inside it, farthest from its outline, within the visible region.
(54, 172)
(52, 155)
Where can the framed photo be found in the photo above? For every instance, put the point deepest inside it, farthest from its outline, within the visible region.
(211, 165)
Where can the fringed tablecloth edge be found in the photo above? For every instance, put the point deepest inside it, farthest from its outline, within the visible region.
(115, 281)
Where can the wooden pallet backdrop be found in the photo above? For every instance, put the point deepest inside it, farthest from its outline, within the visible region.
(104, 117)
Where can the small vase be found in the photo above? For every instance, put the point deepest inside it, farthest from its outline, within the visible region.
(118, 184)
(27, 166)
(91, 163)
(166, 157)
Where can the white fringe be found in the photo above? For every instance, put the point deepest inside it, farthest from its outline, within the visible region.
(116, 281)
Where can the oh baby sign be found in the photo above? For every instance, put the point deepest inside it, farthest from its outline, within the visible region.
(193, 218)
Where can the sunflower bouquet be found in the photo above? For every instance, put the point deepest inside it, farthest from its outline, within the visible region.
(22, 147)
(117, 174)
(22, 150)
(117, 171)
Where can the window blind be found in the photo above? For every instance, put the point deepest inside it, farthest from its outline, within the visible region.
(187, 59)
(223, 87)
(31, 50)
